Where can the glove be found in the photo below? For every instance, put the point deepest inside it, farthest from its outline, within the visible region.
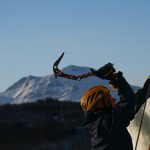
(105, 72)
(114, 80)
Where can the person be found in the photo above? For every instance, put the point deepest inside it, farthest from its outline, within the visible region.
(106, 119)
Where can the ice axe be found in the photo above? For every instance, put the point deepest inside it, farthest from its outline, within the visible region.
(59, 73)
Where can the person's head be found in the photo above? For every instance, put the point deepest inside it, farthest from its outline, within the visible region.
(96, 98)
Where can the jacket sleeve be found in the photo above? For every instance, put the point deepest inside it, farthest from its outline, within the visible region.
(141, 95)
(124, 112)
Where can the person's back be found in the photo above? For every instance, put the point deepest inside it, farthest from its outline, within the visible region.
(105, 135)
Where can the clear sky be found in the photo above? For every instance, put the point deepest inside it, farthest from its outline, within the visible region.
(33, 34)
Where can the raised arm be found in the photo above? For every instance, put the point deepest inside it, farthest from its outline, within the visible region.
(125, 109)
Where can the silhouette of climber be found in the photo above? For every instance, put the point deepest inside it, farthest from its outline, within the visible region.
(106, 119)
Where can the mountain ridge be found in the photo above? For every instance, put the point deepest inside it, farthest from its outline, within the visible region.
(32, 88)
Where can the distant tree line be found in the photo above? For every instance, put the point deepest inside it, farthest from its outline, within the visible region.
(45, 124)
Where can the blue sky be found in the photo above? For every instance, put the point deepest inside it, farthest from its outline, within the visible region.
(33, 34)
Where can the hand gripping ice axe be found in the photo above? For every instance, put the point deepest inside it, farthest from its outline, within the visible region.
(103, 72)
(59, 73)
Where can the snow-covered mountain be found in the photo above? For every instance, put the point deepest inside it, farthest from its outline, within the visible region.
(31, 88)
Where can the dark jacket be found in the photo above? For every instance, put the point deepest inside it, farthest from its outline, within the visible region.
(108, 127)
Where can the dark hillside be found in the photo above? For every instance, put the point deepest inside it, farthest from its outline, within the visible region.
(45, 125)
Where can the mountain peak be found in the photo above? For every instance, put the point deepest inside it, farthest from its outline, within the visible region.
(32, 88)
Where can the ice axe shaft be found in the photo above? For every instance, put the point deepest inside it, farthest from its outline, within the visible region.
(59, 73)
